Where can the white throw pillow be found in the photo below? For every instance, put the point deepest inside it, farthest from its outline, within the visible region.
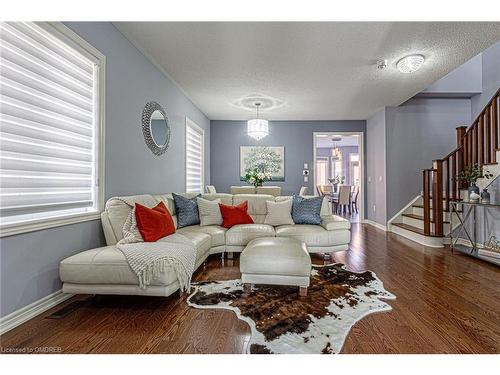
(279, 213)
(209, 212)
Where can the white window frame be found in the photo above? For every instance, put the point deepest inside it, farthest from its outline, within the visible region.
(323, 159)
(72, 39)
(196, 127)
(334, 172)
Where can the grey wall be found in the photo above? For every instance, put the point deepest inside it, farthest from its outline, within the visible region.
(490, 77)
(418, 132)
(296, 136)
(401, 141)
(466, 79)
(376, 168)
(29, 262)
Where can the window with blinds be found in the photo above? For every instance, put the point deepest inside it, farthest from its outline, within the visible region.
(49, 124)
(194, 157)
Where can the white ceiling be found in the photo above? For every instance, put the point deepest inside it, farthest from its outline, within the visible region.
(345, 140)
(317, 71)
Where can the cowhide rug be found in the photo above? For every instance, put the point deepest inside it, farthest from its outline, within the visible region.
(282, 322)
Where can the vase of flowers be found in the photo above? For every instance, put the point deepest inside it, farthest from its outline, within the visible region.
(470, 175)
(336, 181)
(257, 177)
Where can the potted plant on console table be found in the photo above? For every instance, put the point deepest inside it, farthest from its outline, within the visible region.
(470, 175)
(257, 177)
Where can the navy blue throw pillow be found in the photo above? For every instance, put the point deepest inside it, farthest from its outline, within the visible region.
(186, 210)
(306, 210)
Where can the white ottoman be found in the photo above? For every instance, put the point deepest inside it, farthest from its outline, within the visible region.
(276, 261)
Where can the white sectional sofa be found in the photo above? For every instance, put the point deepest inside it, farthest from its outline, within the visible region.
(105, 270)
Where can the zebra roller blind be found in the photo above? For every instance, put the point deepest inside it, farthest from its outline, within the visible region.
(48, 125)
(194, 157)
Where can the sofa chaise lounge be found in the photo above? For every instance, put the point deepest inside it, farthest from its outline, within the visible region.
(105, 270)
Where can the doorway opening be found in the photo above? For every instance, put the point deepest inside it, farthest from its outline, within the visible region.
(338, 171)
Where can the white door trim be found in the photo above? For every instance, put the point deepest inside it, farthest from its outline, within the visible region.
(361, 146)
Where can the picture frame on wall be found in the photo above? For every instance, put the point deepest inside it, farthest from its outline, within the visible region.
(268, 158)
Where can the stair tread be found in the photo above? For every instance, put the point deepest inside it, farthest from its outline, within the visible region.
(418, 217)
(414, 229)
(422, 206)
(451, 199)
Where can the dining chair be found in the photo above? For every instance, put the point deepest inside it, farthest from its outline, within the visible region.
(275, 191)
(242, 190)
(354, 198)
(303, 190)
(327, 191)
(344, 201)
(210, 189)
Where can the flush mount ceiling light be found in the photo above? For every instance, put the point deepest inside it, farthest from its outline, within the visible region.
(257, 128)
(410, 64)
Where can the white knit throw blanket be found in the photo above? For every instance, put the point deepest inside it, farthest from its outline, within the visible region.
(149, 259)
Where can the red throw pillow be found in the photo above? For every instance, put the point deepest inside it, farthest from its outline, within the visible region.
(232, 215)
(154, 223)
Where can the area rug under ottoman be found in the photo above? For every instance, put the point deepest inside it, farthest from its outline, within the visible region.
(282, 322)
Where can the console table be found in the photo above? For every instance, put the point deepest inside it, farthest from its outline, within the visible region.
(469, 216)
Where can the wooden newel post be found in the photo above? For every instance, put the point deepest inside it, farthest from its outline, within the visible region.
(460, 135)
(437, 197)
(461, 156)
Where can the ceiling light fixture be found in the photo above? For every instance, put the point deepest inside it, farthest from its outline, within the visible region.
(257, 128)
(336, 153)
(410, 64)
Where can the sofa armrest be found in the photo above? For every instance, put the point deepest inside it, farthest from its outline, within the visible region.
(334, 222)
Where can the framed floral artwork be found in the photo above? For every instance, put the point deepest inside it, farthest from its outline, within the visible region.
(265, 158)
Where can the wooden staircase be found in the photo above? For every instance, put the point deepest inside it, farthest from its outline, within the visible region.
(427, 218)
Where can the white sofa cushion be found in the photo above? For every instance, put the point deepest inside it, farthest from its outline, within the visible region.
(314, 235)
(105, 265)
(334, 222)
(118, 211)
(279, 213)
(108, 265)
(216, 233)
(209, 212)
(257, 207)
(242, 234)
(224, 197)
(202, 241)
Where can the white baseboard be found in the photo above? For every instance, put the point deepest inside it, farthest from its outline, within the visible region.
(418, 238)
(375, 224)
(26, 313)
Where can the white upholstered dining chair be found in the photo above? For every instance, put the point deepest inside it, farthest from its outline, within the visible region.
(210, 189)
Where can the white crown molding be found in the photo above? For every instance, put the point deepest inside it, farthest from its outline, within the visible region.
(28, 312)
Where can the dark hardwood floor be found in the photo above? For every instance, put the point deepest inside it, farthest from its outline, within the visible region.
(446, 303)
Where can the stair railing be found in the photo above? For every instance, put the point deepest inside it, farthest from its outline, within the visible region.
(475, 145)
